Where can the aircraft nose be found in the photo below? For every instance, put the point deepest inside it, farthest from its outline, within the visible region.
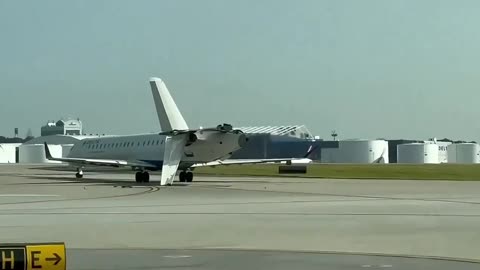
(242, 140)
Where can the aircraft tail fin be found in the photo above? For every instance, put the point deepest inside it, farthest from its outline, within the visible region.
(168, 113)
(48, 155)
(310, 151)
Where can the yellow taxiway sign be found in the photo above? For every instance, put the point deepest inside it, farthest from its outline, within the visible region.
(42, 256)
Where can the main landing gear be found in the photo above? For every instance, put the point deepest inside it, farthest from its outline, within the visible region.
(142, 177)
(185, 176)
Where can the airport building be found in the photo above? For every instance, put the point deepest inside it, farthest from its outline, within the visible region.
(292, 141)
(9, 152)
(62, 127)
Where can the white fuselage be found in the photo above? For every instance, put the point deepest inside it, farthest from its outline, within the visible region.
(149, 148)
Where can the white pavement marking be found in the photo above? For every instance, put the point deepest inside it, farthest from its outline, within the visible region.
(29, 195)
(177, 256)
(379, 266)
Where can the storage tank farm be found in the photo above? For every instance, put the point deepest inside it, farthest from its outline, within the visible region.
(417, 153)
(466, 153)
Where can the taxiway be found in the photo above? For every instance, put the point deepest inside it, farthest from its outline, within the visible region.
(281, 221)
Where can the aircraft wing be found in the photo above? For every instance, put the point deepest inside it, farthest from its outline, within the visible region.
(303, 160)
(250, 161)
(97, 162)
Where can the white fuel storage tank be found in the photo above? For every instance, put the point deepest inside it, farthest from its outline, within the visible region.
(463, 153)
(363, 151)
(418, 153)
(35, 153)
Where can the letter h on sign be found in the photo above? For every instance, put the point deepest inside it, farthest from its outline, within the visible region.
(10, 259)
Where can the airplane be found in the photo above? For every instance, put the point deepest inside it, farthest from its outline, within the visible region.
(175, 148)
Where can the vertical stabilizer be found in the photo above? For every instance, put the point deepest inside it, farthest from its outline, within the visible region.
(168, 113)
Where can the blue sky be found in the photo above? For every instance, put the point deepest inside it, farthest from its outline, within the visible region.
(368, 69)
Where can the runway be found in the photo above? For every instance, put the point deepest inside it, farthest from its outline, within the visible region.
(228, 223)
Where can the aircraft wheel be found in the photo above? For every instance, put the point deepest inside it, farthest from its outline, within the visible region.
(138, 177)
(181, 177)
(146, 177)
(79, 175)
(189, 176)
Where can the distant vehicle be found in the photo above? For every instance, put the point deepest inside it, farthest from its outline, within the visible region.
(176, 148)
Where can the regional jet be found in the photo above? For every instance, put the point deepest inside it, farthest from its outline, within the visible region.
(175, 148)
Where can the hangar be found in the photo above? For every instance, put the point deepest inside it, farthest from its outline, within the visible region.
(275, 142)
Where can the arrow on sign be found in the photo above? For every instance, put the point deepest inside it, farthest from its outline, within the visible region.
(57, 259)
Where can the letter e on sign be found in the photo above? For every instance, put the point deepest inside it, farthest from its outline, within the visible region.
(45, 257)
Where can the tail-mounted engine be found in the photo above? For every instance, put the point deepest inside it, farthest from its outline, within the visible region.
(191, 138)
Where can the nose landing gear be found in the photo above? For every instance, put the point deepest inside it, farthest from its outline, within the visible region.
(79, 173)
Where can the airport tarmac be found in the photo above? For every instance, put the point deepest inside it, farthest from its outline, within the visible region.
(111, 222)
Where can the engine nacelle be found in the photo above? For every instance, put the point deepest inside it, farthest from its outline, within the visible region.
(192, 137)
